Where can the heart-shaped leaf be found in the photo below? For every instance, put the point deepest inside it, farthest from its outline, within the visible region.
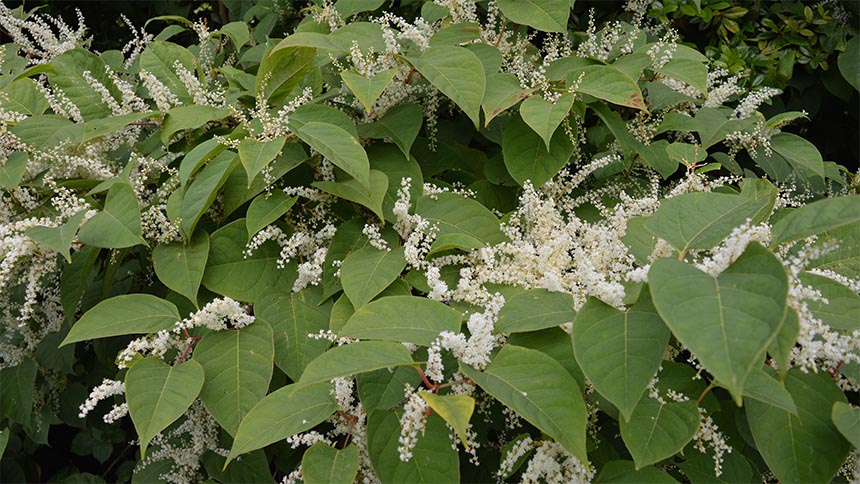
(58, 238)
(847, 420)
(256, 155)
(323, 464)
(118, 225)
(180, 266)
(338, 146)
(408, 319)
(458, 73)
(526, 155)
(354, 191)
(158, 394)
(656, 431)
(544, 117)
(267, 209)
(366, 272)
(367, 89)
(455, 409)
(728, 321)
(126, 314)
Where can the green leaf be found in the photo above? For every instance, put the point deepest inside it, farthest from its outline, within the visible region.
(434, 458)
(58, 238)
(348, 238)
(338, 146)
(293, 316)
(686, 153)
(625, 472)
(4, 440)
(503, 91)
(75, 278)
(656, 431)
(728, 321)
(180, 266)
(455, 409)
(287, 411)
(126, 314)
(367, 89)
(817, 217)
(383, 389)
(765, 388)
(801, 153)
(806, 447)
(237, 32)
(348, 8)
(256, 155)
(699, 468)
(540, 390)
(47, 131)
(321, 113)
(354, 191)
(543, 116)
(389, 160)
(401, 124)
(701, 220)
(102, 127)
(238, 368)
(535, 309)
(458, 73)
(620, 351)
(118, 225)
(13, 171)
(230, 273)
(454, 214)
(158, 58)
(23, 96)
(546, 15)
(266, 209)
(16, 392)
(845, 259)
(842, 310)
(609, 84)
(526, 156)
(781, 346)
(198, 155)
(408, 319)
(281, 71)
(201, 193)
(68, 75)
(849, 63)
(323, 464)
(355, 358)
(691, 71)
(366, 272)
(189, 117)
(846, 418)
(158, 394)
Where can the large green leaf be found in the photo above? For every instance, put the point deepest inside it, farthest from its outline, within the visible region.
(546, 15)
(693, 72)
(281, 70)
(118, 225)
(201, 193)
(535, 309)
(701, 220)
(544, 116)
(619, 351)
(367, 271)
(845, 259)
(849, 63)
(348, 238)
(764, 387)
(455, 409)
(16, 392)
(383, 389)
(126, 314)
(458, 73)
(842, 309)
(158, 59)
(238, 367)
(401, 124)
(284, 412)
(180, 265)
(60, 237)
(68, 75)
(197, 157)
(367, 89)
(781, 347)
(323, 464)
(408, 319)
(656, 431)
(23, 96)
(338, 146)
(266, 209)
(354, 191)
(386, 158)
(625, 472)
(503, 91)
(699, 468)
(434, 458)
(13, 171)
(256, 155)
(799, 152)
(189, 117)
(610, 84)
(47, 131)
(158, 394)
(355, 358)
(846, 418)
(293, 316)
(526, 156)
(456, 215)
(806, 447)
(540, 390)
(728, 321)
(230, 273)
(817, 217)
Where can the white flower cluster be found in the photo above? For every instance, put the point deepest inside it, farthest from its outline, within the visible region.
(412, 421)
(552, 464)
(733, 246)
(753, 100)
(107, 389)
(517, 451)
(709, 435)
(217, 315)
(42, 37)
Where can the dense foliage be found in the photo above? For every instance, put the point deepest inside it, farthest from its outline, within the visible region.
(446, 241)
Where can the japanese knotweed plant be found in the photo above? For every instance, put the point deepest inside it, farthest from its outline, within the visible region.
(457, 241)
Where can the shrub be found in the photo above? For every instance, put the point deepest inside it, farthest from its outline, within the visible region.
(450, 242)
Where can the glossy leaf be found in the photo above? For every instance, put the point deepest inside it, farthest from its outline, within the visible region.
(540, 390)
(408, 319)
(366, 272)
(764, 387)
(323, 464)
(458, 73)
(68, 75)
(180, 266)
(126, 314)
(728, 321)
(189, 117)
(290, 410)
(535, 309)
(609, 84)
(238, 368)
(799, 152)
(526, 156)
(158, 394)
(158, 58)
(503, 91)
(620, 351)
(656, 431)
(118, 225)
(400, 123)
(281, 70)
(454, 214)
